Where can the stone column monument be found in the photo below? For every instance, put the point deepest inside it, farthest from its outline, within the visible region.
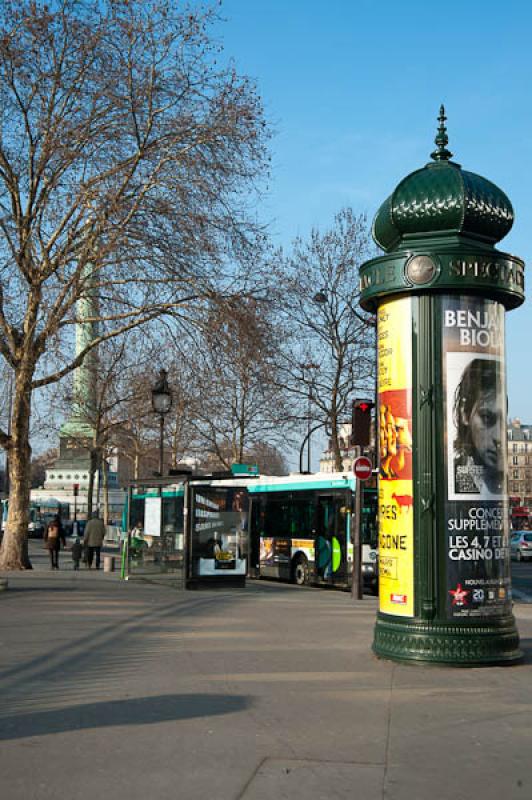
(77, 433)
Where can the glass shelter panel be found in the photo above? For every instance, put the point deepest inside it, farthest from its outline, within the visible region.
(156, 542)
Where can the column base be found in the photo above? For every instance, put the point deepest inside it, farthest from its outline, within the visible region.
(455, 644)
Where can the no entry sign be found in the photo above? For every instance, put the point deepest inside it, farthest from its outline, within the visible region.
(362, 468)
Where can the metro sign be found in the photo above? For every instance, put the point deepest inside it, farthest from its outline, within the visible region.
(362, 468)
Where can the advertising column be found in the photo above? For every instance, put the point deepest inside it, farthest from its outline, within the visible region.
(476, 502)
(396, 500)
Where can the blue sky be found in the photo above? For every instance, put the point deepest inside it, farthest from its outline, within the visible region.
(353, 89)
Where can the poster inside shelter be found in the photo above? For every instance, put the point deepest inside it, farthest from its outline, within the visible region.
(396, 501)
(476, 506)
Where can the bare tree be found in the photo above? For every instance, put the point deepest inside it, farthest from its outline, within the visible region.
(268, 459)
(237, 401)
(329, 357)
(39, 465)
(128, 158)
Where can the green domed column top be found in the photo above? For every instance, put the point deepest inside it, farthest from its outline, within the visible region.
(438, 229)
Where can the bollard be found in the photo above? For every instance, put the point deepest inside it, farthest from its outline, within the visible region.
(108, 563)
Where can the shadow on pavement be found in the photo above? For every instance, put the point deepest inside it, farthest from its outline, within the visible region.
(91, 648)
(31, 589)
(134, 711)
(526, 647)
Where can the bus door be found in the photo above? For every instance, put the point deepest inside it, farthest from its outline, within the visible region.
(330, 544)
(255, 528)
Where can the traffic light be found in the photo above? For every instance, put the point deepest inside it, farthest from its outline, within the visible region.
(361, 422)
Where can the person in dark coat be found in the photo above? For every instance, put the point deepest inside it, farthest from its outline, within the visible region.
(53, 538)
(93, 539)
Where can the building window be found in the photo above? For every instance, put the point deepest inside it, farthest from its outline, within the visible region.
(515, 460)
(516, 473)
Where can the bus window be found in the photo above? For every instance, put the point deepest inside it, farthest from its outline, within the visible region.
(277, 517)
(302, 517)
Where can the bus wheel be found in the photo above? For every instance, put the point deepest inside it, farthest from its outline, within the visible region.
(300, 571)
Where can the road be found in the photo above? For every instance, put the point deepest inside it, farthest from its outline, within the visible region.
(133, 691)
(521, 571)
(522, 581)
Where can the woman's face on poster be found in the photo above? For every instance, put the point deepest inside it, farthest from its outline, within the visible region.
(486, 425)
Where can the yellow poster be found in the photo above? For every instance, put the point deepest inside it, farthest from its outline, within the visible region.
(396, 488)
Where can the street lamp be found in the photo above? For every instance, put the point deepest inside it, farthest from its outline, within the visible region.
(161, 401)
(321, 299)
(309, 368)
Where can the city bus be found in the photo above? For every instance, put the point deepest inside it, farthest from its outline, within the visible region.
(296, 528)
(300, 529)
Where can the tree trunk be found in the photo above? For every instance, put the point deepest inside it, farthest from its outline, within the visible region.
(105, 486)
(14, 550)
(90, 489)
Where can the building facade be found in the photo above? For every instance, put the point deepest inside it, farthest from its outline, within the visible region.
(520, 463)
(519, 460)
(347, 450)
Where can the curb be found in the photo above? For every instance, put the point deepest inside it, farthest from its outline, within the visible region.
(3, 584)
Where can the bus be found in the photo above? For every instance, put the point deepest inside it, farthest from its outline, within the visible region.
(300, 529)
(296, 528)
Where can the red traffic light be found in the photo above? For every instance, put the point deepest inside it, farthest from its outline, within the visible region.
(361, 422)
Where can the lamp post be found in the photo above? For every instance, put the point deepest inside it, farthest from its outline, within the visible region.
(321, 299)
(309, 367)
(161, 401)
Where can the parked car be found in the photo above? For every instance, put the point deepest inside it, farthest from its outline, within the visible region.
(521, 546)
(35, 526)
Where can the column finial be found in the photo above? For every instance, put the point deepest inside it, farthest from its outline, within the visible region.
(441, 140)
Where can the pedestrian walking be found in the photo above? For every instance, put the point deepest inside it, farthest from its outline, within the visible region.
(93, 539)
(53, 538)
(77, 552)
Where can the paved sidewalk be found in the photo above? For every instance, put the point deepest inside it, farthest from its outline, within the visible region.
(131, 690)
